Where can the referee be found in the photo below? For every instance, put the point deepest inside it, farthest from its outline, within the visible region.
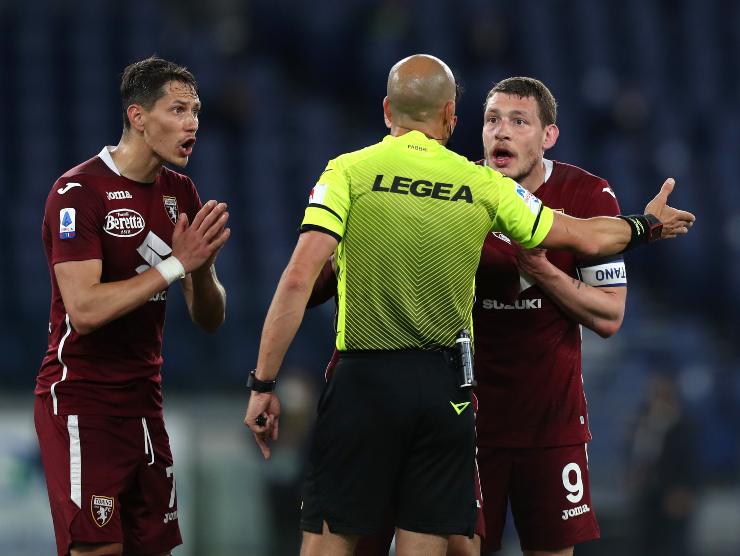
(406, 219)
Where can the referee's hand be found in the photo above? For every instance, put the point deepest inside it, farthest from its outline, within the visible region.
(675, 222)
(263, 419)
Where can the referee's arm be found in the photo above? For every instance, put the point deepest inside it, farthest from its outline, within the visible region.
(606, 235)
(289, 303)
(281, 324)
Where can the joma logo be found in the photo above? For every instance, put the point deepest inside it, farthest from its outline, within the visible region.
(573, 512)
(118, 195)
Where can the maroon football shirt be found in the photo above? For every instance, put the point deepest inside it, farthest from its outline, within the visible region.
(527, 350)
(93, 212)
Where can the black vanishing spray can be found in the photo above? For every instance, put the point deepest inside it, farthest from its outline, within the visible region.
(465, 349)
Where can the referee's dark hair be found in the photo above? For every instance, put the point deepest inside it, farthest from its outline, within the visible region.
(529, 87)
(142, 83)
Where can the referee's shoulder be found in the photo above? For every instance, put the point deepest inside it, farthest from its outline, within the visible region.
(351, 158)
(472, 169)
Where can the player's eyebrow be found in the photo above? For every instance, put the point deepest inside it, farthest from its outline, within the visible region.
(180, 102)
(508, 114)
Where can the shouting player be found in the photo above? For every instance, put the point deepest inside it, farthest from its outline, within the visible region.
(407, 220)
(532, 422)
(118, 230)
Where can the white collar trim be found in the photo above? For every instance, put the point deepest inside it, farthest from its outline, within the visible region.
(548, 168)
(108, 159)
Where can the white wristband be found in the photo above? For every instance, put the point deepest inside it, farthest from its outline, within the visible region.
(171, 269)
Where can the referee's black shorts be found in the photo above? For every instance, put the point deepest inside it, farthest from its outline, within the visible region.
(394, 436)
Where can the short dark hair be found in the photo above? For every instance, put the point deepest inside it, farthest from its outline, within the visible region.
(529, 87)
(142, 83)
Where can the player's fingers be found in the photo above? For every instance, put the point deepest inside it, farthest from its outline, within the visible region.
(182, 223)
(203, 212)
(212, 217)
(275, 428)
(215, 228)
(219, 241)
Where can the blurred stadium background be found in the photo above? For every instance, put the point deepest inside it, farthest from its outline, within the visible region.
(647, 89)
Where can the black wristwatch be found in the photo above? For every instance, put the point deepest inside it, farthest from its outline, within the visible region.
(261, 386)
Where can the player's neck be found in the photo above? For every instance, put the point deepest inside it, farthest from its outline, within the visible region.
(135, 160)
(532, 181)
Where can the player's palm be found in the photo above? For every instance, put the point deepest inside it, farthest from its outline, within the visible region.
(197, 245)
(675, 222)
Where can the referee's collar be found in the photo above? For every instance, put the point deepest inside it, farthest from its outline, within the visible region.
(412, 136)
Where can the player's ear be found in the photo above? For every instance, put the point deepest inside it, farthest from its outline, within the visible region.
(551, 136)
(135, 116)
(387, 115)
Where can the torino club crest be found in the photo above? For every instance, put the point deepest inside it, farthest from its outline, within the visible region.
(102, 509)
(170, 207)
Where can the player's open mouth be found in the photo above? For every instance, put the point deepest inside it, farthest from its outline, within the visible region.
(501, 157)
(186, 148)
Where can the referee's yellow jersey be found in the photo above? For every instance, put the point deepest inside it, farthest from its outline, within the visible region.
(411, 217)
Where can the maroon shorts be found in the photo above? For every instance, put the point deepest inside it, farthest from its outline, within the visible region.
(549, 493)
(110, 480)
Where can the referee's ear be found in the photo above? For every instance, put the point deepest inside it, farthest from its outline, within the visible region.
(387, 115)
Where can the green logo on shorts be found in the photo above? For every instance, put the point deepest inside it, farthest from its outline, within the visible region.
(460, 407)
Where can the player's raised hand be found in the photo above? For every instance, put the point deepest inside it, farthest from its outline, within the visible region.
(675, 222)
(263, 419)
(198, 244)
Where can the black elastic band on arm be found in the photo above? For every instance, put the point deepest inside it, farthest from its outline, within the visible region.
(537, 221)
(315, 228)
(326, 209)
(646, 228)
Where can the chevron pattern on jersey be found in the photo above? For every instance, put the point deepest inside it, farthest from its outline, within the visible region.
(410, 271)
(409, 261)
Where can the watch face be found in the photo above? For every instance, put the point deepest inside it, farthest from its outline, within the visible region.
(253, 383)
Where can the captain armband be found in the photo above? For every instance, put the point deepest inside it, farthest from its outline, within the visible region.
(646, 228)
(604, 274)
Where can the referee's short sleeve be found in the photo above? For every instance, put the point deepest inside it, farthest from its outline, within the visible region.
(328, 203)
(521, 216)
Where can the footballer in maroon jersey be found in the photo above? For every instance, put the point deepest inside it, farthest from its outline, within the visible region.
(118, 230)
(530, 306)
(127, 225)
(532, 424)
(593, 236)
